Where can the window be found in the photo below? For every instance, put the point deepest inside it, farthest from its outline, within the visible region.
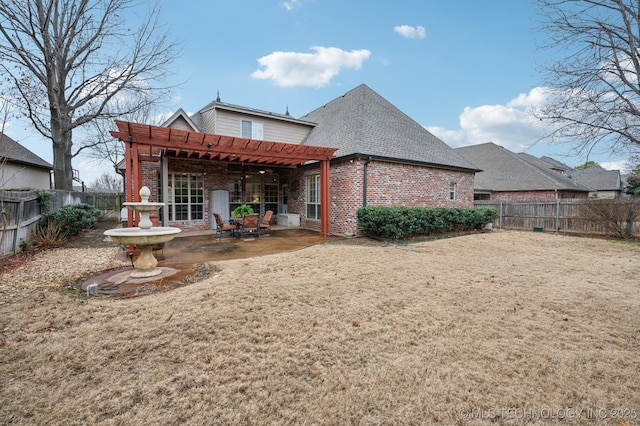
(235, 196)
(313, 197)
(271, 195)
(186, 197)
(453, 191)
(251, 130)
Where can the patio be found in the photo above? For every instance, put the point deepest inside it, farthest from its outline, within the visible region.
(192, 248)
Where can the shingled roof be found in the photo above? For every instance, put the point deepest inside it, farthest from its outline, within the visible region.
(13, 151)
(598, 179)
(361, 122)
(503, 170)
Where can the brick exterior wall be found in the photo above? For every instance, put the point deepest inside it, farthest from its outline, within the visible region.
(388, 183)
(216, 176)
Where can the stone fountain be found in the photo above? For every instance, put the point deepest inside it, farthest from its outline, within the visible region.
(144, 236)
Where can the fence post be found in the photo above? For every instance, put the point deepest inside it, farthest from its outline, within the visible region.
(633, 220)
(500, 221)
(14, 247)
(557, 215)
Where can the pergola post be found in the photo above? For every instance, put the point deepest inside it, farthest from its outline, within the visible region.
(208, 146)
(325, 199)
(133, 168)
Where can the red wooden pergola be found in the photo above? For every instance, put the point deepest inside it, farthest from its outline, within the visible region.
(208, 146)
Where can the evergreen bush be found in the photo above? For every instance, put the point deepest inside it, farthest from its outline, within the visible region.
(71, 219)
(398, 222)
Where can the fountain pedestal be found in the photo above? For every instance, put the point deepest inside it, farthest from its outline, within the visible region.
(144, 236)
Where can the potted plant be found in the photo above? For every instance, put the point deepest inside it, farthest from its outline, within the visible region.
(242, 210)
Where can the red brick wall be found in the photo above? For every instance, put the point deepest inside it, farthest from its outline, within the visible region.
(215, 177)
(388, 184)
(149, 171)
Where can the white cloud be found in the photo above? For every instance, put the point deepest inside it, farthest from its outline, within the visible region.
(410, 32)
(292, 4)
(536, 97)
(453, 138)
(622, 165)
(511, 126)
(289, 69)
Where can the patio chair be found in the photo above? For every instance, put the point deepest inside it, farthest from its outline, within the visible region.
(223, 227)
(250, 225)
(266, 221)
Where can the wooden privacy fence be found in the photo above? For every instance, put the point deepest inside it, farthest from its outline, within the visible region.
(20, 211)
(566, 215)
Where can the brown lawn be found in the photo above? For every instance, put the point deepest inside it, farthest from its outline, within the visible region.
(506, 327)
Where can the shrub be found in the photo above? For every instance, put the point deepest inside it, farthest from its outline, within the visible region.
(50, 235)
(397, 222)
(71, 219)
(616, 216)
(44, 200)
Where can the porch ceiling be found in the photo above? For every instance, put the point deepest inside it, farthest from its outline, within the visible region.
(208, 146)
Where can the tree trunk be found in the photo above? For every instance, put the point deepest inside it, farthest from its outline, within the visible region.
(62, 168)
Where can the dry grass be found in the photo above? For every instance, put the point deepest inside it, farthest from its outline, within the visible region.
(344, 334)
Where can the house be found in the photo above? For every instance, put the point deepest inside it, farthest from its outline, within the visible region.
(513, 176)
(356, 150)
(21, 168)
(601, 183)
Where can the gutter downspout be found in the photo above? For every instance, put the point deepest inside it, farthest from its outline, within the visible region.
(364, 182)
(124, 189)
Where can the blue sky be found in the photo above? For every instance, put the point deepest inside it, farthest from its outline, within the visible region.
(465, 70)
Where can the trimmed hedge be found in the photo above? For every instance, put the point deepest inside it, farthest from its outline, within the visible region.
(71, 219)
(397, 222)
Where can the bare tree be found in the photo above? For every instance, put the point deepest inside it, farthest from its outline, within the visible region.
(4, 154)
(67, 61)
(101, 146)
(633, 178)
(616, 216)
(107, 182)
(595, 86)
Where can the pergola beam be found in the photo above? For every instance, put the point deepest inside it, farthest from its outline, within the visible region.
(221, 148)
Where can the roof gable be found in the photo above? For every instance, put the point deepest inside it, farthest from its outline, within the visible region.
(363, 122)
(181, 120)
(13, 151)
(599, 179)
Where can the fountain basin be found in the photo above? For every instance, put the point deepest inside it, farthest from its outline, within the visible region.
(138, 237)
(145, 208)
(146, 239)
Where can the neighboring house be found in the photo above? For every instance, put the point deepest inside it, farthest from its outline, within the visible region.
(513, 176)
(354, 151)
(601, 183)
(21, 168)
